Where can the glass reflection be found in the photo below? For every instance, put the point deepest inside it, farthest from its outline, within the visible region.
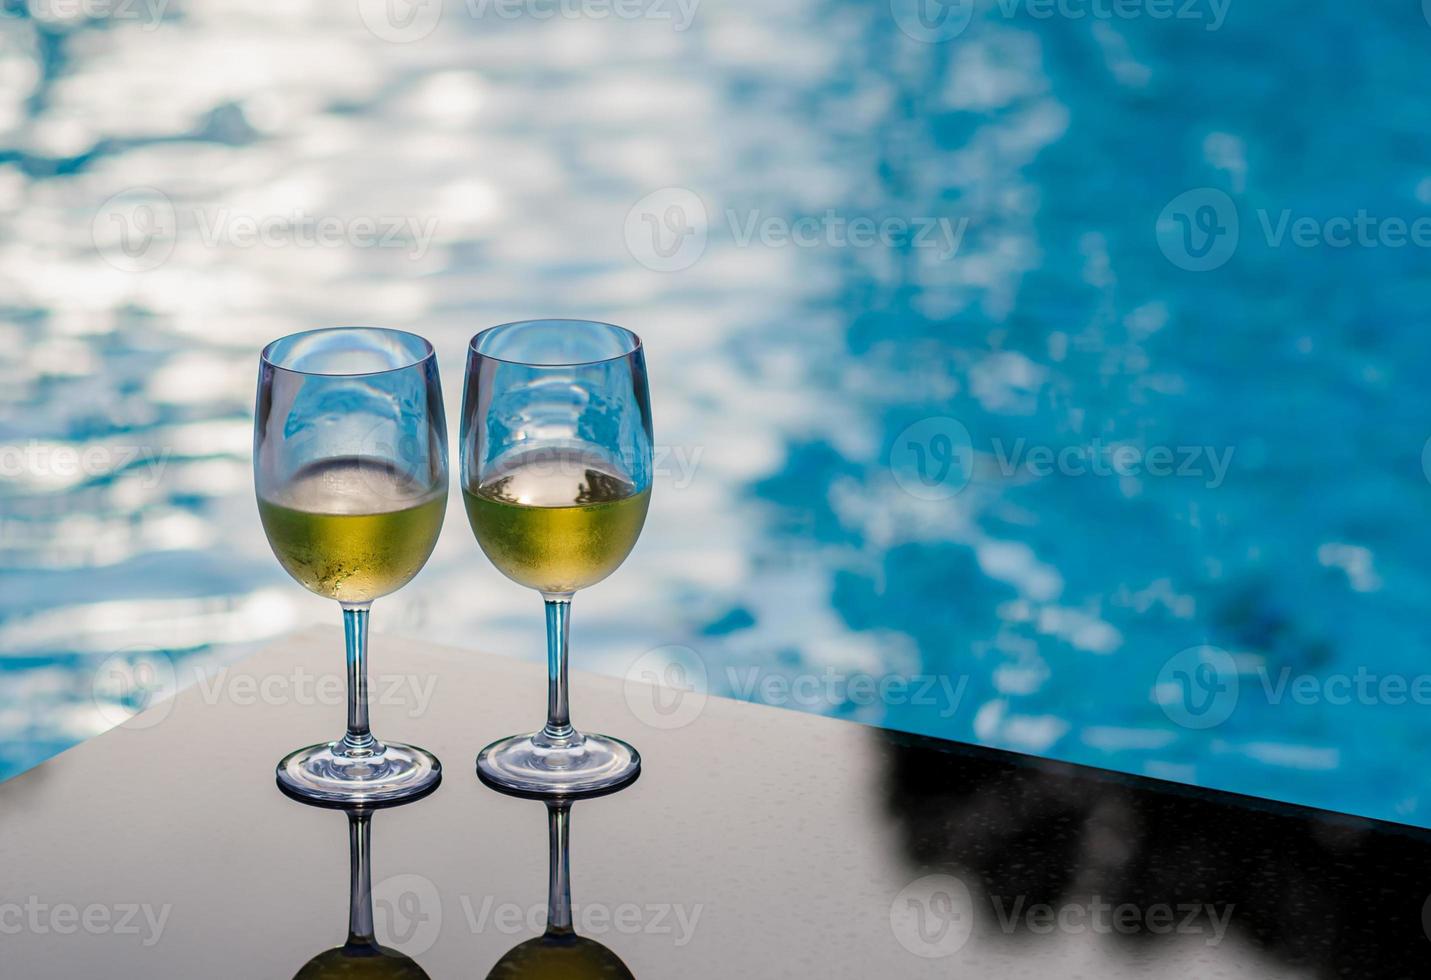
(559, 952)
(361, 957)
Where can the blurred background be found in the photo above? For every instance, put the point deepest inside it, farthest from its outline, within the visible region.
(1033, 374)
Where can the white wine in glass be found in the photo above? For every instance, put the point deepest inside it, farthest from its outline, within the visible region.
(350, 470)
(352, 529)
(556, 475)
(557, 521)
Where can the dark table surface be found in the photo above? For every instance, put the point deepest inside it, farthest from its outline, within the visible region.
(757, 843)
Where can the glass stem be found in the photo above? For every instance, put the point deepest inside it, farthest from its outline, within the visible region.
(558, 728)
(360, 885)
(359, 739)
(558, 869)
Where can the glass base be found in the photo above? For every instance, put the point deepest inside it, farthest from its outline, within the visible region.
(542, 766)
(334, 774)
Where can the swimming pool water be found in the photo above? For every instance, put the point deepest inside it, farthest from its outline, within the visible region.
(992, 374)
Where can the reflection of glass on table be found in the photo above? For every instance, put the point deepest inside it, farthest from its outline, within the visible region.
(559, 952)
(360, 957)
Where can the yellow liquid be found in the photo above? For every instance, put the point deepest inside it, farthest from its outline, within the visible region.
(556, 525)
(352, 530)
(361, 963)
(566, 957)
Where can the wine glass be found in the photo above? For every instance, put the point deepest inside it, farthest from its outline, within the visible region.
(556, 476)
(559, 951)
(350, 466)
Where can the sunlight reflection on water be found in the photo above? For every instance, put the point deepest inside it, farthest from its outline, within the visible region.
(177, 193)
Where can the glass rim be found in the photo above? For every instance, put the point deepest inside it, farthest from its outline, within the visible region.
(428, 351)
(633, 342)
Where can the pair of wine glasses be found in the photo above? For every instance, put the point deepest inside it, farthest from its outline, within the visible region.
(350, 467)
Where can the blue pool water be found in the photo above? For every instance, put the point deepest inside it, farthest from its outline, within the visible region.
(1122, 360)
